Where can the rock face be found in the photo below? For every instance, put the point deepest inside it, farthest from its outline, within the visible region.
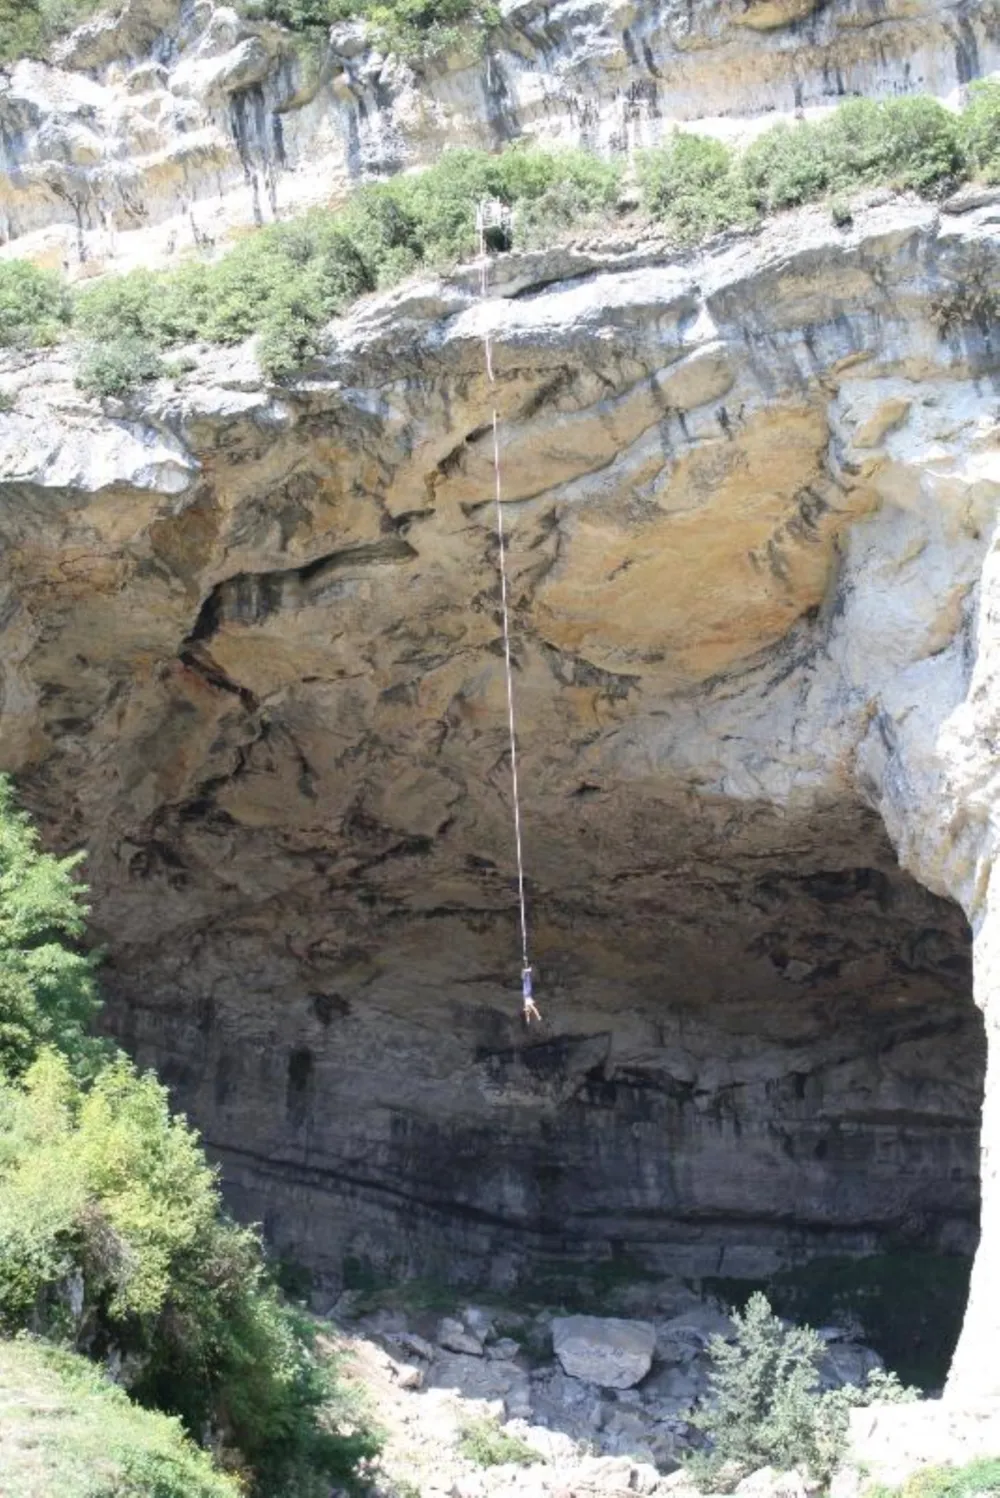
(160, 131)
(252, 660)
(604, 1350)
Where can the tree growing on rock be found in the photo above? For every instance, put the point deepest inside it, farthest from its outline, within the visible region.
(766, 1408)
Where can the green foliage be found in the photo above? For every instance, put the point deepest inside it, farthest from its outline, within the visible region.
(840, 212)
(909, 1303)
(693, 185)
(765, 1406)
(111, 1238)
(787, 165)
(762, 1392)
(34, 306)
(698, 185)
(68, 1430)
(488, 1445)
(980, 127)
(48, 996)
(115, 368)
(411, 28)
(921, 147)
(27, 27)
(286, 282)
(981, 1477)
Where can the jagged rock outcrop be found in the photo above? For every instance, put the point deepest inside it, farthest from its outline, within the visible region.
(252, 661)
(160, 131)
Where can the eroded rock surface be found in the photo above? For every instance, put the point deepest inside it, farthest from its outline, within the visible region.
(159, 131)
(252, 661)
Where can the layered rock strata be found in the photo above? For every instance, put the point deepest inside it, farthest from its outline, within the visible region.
(160, 130)
(252, 661)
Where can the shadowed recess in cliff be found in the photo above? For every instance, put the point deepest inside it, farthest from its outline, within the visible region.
(250, 597)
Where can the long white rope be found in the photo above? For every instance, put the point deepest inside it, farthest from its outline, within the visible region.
(530, 1011)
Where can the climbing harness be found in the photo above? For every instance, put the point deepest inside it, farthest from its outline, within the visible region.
(491, 217)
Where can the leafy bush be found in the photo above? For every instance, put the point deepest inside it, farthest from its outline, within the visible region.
(787, 165)
(68, 1430)
(692, 183)
(34, 306)
(27, 27)
(286, 281)
(116, 367)
(765, 1406)
(981, 1477)
(921, 145)
(980, 129)
(48, 996)
(488, 1445)
(412, 28)
(111, 1239)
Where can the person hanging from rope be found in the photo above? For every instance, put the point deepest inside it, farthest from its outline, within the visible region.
(530, 1010)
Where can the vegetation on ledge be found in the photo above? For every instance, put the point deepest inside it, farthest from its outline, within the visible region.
(29, 27)
(285, 282)
(409, 28)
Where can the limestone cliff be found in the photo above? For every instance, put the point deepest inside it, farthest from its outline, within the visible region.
(252, 661)
(160, 130)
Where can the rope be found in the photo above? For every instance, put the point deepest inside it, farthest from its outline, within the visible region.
(529, 1010)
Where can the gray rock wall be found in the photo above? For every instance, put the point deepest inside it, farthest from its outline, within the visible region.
(252, 662)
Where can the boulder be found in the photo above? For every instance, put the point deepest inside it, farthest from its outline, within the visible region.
(410, 1342)
(604, 1350)
(409, 1376)
(504, 1349)
(891, 1441)
(683, 1337)
(766, 1482)
(477, 1378)
(847, 1363)
(453, 1336)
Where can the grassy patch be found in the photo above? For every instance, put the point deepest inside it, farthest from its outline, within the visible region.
(978, 1477)
(488, 1445)
(981, 130)
(65, 1429)
(35, 306)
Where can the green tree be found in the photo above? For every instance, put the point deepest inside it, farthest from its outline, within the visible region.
(765, 1405)
(48, 993)
(692, 183)
(113, 1242)
(980, 127)
(762, 1391)
(34, 306)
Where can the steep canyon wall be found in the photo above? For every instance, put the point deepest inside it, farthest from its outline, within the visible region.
(252, 662)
